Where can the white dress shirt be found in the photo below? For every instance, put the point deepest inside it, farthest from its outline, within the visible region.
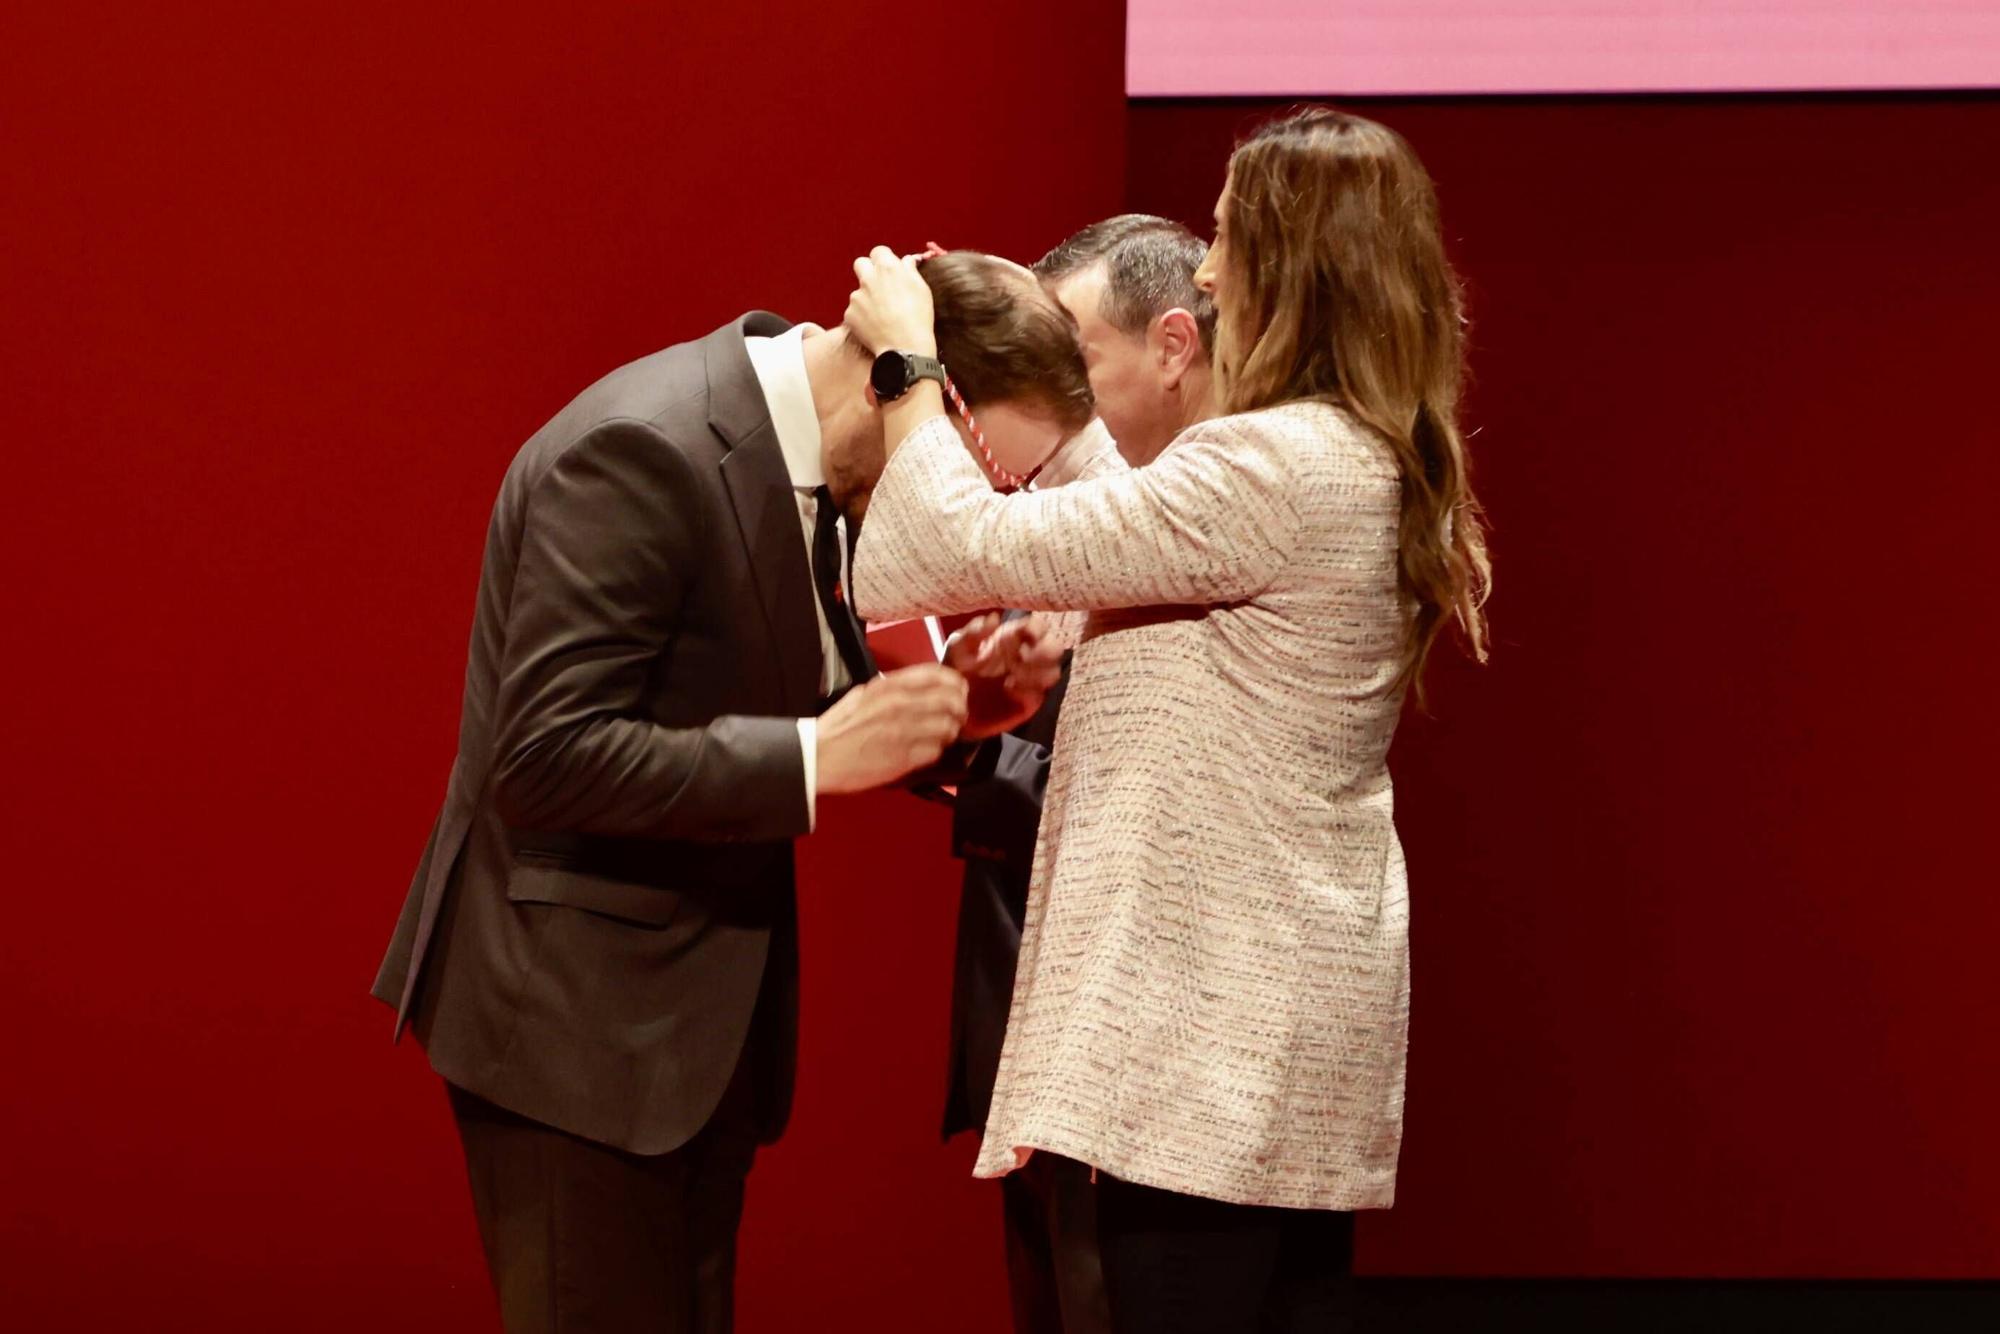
(780, 367)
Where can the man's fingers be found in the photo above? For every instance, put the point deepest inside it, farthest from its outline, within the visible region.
(1027, 640)
(949, 694)
(929, 697)
(950, 684)
(929, 741)
(975, 637)
(920, 676)
(1043, 652)
(1038, 683)
(936, 702)
(1004, 641)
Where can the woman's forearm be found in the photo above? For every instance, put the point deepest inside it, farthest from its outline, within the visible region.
(1212, 520)
(924, 401)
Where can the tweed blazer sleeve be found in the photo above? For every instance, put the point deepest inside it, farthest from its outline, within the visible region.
(1089, 454)
(1213, 519)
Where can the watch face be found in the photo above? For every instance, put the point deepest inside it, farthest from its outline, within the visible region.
(890, 376)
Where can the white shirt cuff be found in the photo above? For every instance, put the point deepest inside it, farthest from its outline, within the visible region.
(809, 751)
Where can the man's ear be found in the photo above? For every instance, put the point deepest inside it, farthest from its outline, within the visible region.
(869, 390)
(1177, 344)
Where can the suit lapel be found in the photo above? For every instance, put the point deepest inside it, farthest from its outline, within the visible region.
(766, 509)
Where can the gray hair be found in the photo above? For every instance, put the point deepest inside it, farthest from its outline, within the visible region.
(1149, 266)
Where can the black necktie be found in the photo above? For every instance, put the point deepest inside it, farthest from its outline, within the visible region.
(826, 578)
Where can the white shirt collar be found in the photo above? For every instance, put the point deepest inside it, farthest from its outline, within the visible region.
(780, 366)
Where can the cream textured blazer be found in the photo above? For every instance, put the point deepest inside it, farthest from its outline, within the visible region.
(1213, 992)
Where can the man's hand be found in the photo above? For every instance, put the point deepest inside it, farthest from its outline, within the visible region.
(1009, 666)
(888, 727)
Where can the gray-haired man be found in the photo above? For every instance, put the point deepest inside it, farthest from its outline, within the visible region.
(1145, 330)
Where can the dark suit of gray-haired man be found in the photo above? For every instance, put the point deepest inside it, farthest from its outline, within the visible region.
(1145, 330)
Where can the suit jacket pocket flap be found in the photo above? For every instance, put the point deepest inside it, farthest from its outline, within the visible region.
(646, 905)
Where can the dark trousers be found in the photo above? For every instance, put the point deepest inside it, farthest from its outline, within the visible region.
(1053, 1272)
(582, 1238)
(1178, 1264)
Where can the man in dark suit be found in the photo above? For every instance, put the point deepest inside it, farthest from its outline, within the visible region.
(1146, 331)
(598, 950)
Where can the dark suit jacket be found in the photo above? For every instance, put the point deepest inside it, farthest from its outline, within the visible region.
(606, 901)
(995, 821)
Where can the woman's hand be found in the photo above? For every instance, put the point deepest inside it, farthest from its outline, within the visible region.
(891, 309)
(1008, 666)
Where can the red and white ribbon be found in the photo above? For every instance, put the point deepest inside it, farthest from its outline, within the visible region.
(1005, 480)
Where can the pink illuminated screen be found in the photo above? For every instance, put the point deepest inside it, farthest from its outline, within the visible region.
(1222, 48)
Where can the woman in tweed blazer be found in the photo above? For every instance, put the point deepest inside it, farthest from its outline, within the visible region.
(1213, 991)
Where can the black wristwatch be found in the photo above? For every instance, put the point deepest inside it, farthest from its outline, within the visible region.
(895, 373)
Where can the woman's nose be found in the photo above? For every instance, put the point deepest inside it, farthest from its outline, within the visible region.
(1204, 276)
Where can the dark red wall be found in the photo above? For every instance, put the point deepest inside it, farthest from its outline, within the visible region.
(282, 294)
(1702, 870)
(1704, 906)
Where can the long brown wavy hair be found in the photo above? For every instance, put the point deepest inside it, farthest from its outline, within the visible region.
(1337, 288)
